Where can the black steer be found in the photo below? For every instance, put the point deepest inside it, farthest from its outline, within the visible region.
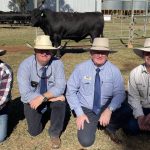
(65, 25)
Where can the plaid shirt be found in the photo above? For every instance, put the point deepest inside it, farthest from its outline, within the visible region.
(6, 79)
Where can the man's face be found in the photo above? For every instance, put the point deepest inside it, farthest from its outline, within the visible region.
(147, 58)
(99, 57)
(43, 56)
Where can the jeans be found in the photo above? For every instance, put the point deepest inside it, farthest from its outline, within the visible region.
(3, 123)
(86, 136)
(35, 118)
(132, 127)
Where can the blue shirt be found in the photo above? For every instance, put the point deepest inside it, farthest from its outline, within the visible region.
(80, 86)
(29, 74)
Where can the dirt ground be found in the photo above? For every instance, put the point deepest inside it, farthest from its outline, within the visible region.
(16, 48)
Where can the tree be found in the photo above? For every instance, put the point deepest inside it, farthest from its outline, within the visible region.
(14, 4)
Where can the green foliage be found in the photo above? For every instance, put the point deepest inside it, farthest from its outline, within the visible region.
(16, 5)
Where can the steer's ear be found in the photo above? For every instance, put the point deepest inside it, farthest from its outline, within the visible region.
(42, 14)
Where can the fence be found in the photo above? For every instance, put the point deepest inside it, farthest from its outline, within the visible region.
(122, 27)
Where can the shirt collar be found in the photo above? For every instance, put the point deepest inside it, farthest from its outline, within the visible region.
(101, 67)
(144, 70)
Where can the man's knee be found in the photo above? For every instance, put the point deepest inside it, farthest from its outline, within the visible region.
(59, 106)
(34, 132)
(2, 138)
(86, 141)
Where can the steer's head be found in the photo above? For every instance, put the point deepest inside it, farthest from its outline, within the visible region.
(36, 17)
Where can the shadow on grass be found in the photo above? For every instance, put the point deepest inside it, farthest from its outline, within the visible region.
(16, 113)
(67, 117)
(138, 142)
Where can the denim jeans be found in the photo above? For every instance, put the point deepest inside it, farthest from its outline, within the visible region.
(132, 126)
(3, 123)
(119, 117)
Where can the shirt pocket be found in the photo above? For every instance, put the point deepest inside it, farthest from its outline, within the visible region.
(107, 88)
(86, 87)
(51, 82)
(142, 90)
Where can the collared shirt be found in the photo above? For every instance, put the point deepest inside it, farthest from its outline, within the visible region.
(80, 86)
(6, 79)
(139, 90)
(29, 76)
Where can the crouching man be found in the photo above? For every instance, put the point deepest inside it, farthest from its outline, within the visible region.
(42, 84)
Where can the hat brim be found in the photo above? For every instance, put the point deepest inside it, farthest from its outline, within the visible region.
(104, 49)
(45, 47)
(139, 51)
(2, 52)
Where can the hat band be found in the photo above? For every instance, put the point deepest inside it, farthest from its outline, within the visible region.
(100, 47)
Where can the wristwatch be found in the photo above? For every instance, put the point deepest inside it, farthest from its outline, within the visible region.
(45, 99)
(110, 108)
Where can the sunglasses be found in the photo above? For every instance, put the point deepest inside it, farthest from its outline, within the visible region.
(100, 52)
(47, 52)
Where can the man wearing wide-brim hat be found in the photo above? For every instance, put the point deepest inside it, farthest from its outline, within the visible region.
(139, 92)
(6, 79)
(42, 84)
(95, 91)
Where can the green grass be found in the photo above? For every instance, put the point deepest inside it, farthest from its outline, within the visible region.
(19, 139)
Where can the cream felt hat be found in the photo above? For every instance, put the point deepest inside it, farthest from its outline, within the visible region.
(146, 48)
(101, 44)
(43, 42)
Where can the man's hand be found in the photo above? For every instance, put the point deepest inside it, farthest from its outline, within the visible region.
(144, 122)
(141, 122)
(59, 98)
(80, 121)
(147, 119)
(105, 117)
(36, 102)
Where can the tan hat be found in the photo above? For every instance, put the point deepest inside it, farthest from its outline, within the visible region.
(101, 44)
(2, 52)
(43, 42)
(146, 48)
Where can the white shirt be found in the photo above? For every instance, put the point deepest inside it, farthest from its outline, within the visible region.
(139, 90)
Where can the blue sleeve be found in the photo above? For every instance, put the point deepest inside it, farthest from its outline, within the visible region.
(25, 89)
(118, 90)
(60, 81)
(73, 85)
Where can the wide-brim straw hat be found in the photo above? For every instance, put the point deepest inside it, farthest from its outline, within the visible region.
(42, 42)
(101, 44)
(2, 52)
(146, 48)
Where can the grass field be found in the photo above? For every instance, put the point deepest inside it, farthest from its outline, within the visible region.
(18, 138)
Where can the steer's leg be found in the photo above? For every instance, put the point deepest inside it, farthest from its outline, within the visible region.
(57, 43)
